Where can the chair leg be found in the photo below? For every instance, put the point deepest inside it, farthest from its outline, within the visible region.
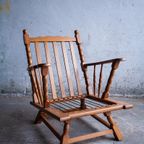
(116, 131)
(65, 136)
(38, 118)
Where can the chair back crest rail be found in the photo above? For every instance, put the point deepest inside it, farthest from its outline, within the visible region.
(59, 52)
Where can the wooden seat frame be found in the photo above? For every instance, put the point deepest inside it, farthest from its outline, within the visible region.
(88, 104)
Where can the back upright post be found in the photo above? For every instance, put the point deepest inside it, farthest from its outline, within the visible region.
(84, 69)
(27, 45)
(29, 59)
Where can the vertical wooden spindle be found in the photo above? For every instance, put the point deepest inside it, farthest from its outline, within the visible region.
(59, 70)
(100, 80)
(51, 75)
(75, 68)
(94, 80)
(67, 68)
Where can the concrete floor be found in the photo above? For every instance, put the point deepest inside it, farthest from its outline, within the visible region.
(16, 124)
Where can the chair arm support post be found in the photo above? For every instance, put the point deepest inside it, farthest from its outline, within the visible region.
(44, 72)
(114, 66)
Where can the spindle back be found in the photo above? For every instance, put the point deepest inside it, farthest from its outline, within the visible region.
(60, 53)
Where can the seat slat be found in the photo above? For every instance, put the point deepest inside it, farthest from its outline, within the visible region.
(73, 104)
(75, 68)
(67, 69)
(58, 66)
(48, 60)
(68, 98)
(68, 105)
(95, 103)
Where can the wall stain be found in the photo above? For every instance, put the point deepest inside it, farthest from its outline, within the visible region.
(2, 57)
(5, 7)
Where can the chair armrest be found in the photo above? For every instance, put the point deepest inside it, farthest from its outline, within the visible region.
(38, 66)
(43, 66)
(114, 65)
(103, 62)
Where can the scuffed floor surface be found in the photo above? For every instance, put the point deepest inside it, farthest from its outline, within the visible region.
(17, 115)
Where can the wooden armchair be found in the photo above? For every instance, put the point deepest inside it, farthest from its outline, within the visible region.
(54, 73)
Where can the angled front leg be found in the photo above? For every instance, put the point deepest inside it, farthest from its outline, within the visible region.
(114, 66)
(116, 131)
(38, 118)
(65, 136)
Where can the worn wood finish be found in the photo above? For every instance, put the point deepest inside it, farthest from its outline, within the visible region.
(66, 107)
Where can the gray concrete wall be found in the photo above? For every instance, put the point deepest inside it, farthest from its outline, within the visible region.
(109, 28)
